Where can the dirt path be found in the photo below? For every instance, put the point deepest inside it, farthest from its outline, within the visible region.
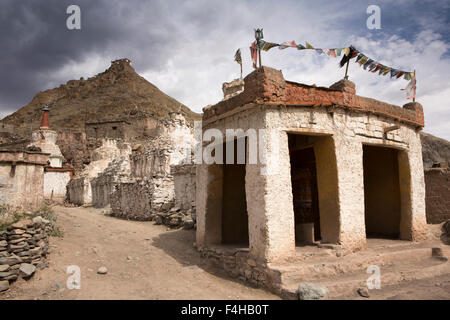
(144, 261)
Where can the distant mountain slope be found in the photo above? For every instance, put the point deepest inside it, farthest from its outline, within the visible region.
(112, 94)
(434, 149)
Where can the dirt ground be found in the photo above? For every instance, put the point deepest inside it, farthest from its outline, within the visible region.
(147, 261)
(144, 261)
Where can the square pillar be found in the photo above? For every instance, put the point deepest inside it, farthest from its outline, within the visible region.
(350, 179)
(269, 200)
(209, 180)
(413, 224)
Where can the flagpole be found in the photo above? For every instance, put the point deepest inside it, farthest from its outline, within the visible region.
(346, 70)
(414, 99)
(241, 69)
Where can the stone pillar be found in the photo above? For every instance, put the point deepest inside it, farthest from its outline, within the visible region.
(209, 180)
(350, 177)
(413, 225)
(269, 201)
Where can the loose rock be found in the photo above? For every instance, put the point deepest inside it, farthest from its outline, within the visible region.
(27, 270)
(311, 291)
(363, 292)
(102, 270)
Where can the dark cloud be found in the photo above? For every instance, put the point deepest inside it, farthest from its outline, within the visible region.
(186, 47)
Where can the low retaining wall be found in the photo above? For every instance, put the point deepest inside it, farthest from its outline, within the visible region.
(237, 263)
(23, 247)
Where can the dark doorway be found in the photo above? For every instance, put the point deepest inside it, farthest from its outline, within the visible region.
(234, 205)
(304, 183)
(381, 192)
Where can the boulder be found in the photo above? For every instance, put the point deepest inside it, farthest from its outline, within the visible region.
(311, 291)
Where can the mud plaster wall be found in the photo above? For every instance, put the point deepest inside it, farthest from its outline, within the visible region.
(24, 188)
(55, 185)
(437, 182)
(269, 197)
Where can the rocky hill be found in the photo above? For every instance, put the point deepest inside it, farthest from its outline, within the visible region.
(112, 94)
(434, 150)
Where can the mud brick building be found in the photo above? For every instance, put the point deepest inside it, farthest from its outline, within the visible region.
(339, 168)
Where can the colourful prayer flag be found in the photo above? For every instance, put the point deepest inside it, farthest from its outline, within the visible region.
(287, 44)
(393, 72)
(368, 63)
(363, 60)
(399, 74)
(346, 51)
(411, 89)
(300, 47)
(254, 53)
(308, 46)
(338, 51)
(237, 56)
(332, 53)
(319, 51)
(269, 45)
(359, 57)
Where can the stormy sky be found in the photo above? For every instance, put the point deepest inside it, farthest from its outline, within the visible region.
(186, 48)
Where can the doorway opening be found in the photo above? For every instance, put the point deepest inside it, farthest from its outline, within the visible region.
(304, 188)
(234, 203)
(382, 199)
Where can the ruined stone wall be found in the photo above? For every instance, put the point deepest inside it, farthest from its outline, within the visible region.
(437, 182)
(152, 191)
(79, 191)
(184, 182)
(103, 185)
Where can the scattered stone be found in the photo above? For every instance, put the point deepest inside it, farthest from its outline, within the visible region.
(437, 253)
(363, 292)
(251, 262)
(27, 270)
(188, 224)
(3, 243)
(4, 285)
(311, 291)
(4, 267)
(102, 270)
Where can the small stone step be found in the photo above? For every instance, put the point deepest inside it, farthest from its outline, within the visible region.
(390, 275)
(327, 268)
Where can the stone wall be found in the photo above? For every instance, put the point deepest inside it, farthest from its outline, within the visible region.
(437, 183)
(79, 191)
(155, 188)
(103, 185)
(184, 183)
(23, 247)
